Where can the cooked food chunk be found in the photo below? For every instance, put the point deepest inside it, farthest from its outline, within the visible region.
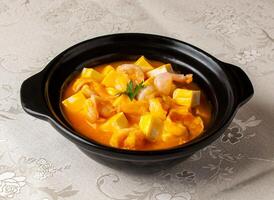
(107, 69)
(134, 72)
(91, 73)
(151, 126)
(174, 130)
(156, 108)
(116, 80)
(144, 64)
(75, 102)
(117, 121)
(187, 97)
(159, 70)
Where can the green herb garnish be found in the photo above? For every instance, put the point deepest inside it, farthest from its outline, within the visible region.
(132, 91)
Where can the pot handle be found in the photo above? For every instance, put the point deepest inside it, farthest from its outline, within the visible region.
(32, 97)
(241, 83)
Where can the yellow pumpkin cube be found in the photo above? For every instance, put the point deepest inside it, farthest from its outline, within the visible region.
(116, 80)
(160, 70)
(151, 126)
(75, 103)
(107, 69)
(187, 97)
(155, 108)
(117, 121)
(91, 73)
(143, 63)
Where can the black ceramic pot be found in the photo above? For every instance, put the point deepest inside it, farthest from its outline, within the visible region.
(226, 85)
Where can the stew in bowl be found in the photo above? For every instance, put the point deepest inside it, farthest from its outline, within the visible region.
(141, 105)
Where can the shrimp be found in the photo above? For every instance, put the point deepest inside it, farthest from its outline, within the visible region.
(164, 81)
(106, 109)
(134, 72)
(181, 78)
(127, 138)
(99, 106)
(147, 93)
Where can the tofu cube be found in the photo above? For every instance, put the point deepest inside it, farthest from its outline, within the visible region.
(180, 113)
(160, 70)
(116, 80)
(109, 79)
(127, 138)
(195, 126)
(75, 103)
(130, 141)
(134, 139)
(112, 91)
(151, 126)
(117, 139)
(91, 73)
(107, 69)
(175, 131)
(155, 108)
(121, 100)
(143, 63)
(149, 81)
(116, 122)
(174, 128)
(187, 97)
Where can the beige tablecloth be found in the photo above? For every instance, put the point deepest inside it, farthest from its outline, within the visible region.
(38, 163)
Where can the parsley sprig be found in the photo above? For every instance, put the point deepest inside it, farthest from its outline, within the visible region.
(132, 90)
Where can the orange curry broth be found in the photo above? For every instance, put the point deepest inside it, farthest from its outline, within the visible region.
(82, 126)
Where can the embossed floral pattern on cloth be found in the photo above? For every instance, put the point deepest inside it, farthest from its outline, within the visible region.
(37, 163)
(10, 184)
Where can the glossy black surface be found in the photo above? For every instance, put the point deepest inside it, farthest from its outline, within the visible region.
(226, 85)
